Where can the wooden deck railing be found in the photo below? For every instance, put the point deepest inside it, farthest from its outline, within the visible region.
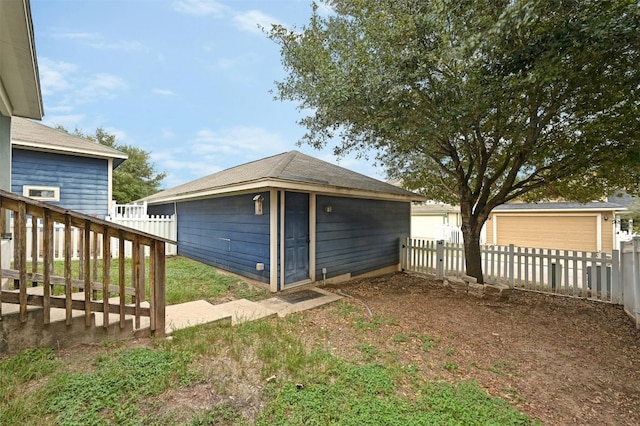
(110, 284)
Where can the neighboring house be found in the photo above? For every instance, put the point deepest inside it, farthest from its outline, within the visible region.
(63, 169)
(556, 225)
(290, 219)
(436, 221)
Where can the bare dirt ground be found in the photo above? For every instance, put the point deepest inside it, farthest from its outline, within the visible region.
(560, 360)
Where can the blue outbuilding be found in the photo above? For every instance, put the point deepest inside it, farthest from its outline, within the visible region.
(66, 170)
(290, 219)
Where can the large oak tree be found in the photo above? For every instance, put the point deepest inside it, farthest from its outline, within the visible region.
(478, 102)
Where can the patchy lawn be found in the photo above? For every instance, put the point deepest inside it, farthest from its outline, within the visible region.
(560, 360)
(399, 349)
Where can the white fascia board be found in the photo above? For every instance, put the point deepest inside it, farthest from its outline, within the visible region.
(34, 146)
(267, 184)
(552, 211)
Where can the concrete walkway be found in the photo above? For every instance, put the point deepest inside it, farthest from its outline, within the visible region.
(202, 312)
(238, 311)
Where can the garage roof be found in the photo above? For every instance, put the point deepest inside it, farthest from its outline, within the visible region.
(290, 170)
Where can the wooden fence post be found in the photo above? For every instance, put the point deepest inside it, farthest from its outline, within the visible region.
(86, 269)
(160, 289)
(47, 264)
(21, 223)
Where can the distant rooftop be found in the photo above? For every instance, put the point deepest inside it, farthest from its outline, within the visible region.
(427, 208)
(594, 205)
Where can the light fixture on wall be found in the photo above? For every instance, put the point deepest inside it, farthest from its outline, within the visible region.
(328, 209)
(258, 204)
(606, 217)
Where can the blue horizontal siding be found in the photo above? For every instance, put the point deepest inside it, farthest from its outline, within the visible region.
(83, 182)
(359, 235)
(226, 233)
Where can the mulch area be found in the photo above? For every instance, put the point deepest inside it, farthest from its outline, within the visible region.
(561, 360)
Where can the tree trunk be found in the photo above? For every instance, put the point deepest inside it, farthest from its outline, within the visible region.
(471, 235)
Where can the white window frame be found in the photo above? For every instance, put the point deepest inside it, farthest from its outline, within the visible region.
(26, 191)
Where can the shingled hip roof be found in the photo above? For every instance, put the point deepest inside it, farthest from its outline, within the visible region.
(287, 170)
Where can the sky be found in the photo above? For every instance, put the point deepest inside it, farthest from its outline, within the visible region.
(189, 81)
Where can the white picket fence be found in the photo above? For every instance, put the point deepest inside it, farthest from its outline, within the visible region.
(159, 225)
(609, 277)
(162, 226)
(580, 274)
(630, 272)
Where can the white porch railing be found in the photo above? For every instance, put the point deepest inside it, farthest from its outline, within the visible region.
(161, 226)
(129, 211)
(580, 274)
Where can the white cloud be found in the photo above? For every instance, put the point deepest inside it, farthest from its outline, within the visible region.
(200, 7)
(181, 168)
(99, 86)
(254, 21)
(163, 92)
(324, 9)
(98, 41)
(121, 135)
(240, 140)
(230, 63)
(68, 121)
(167, 134)
(71, 87)
(54, 75)
(118, 45)
(211, 151)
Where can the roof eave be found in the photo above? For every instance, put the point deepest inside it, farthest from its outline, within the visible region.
(20, 93)
(563, 210)
(268, 183)
(34, 146)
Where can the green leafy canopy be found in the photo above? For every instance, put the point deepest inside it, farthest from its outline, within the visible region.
(478, 102)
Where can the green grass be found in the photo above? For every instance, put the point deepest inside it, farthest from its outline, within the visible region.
(450, 366)
(351, 394)
(310, 387)
(427, 342)
(109, 393)
(186, 280)
(503, 368)
(16, 373)
(190, 280)
(292, 381)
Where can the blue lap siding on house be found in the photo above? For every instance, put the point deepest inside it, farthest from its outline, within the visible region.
(226, 233)
(83, 181)
(359, 235)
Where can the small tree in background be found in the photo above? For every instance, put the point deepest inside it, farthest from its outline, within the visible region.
(475, 103)
(135, 178)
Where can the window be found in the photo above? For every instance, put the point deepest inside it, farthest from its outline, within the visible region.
(42, 193)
